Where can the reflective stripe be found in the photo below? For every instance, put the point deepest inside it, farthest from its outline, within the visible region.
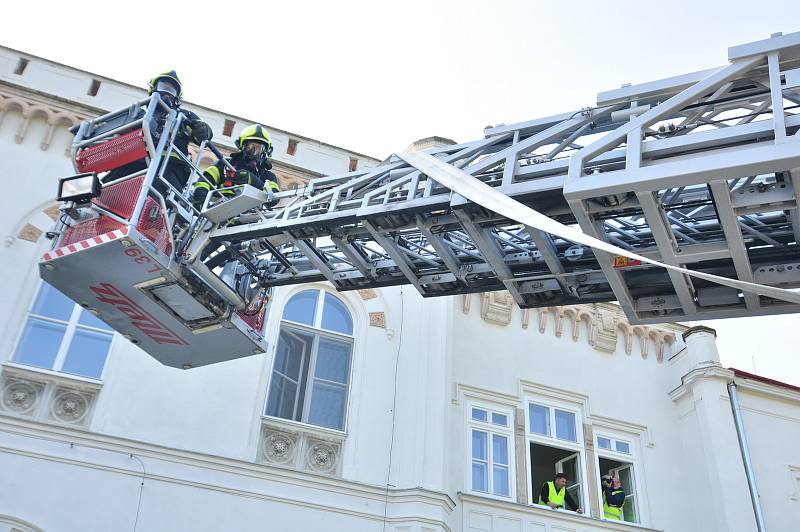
(202, 184)
(611, 512)
(273, 186)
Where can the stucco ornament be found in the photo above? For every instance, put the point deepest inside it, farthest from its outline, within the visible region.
(69, 406)
(497, 307)
(279, 447)
(321, 457)
(19, 397)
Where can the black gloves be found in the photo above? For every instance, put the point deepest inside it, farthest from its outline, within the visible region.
(201, 131)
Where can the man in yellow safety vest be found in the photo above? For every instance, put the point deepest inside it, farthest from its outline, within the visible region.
(613, 498)
(554, 494)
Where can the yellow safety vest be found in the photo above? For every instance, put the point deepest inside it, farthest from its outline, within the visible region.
(611, 512)
(555, 497)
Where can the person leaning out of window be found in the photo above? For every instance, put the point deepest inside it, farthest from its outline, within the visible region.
(613, 498)
(554, 494)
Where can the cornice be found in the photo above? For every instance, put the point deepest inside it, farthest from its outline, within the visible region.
(605, 322)
(66, 435)
(710, 370)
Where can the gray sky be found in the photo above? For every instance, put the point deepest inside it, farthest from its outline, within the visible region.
(374, 76)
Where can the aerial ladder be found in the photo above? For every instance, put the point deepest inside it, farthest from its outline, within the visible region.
(676, 198)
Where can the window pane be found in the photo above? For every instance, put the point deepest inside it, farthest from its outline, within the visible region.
(90, 320)
(499, 449)
(39, 343)
(479, 415)
(540, 419)
(500, 419)
(480, 480)
(293, 348)
(479, 445)
(87, 353)
(629, 510)
(565, 426)
(623, 447)
(281, 400)
(327, 405)
(333, 360)
(302, 307)
(500, 481)
(335, 316)
(603, 443)
(52, 303)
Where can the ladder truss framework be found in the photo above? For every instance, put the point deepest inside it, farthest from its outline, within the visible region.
(700, 171)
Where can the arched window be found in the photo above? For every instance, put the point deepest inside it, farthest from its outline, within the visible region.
(311, 372)
(60, 335)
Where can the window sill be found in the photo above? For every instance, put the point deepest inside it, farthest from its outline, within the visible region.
(313, 430)
(74, 381)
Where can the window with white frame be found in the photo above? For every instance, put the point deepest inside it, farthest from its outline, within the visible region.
(311, 371)
(62, 336)
(555, 446)
(615, 457)
(491, 451)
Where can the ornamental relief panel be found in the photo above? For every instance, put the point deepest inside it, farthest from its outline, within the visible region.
(299, 450)
(599, 324)
(24, 393)
(28, 110)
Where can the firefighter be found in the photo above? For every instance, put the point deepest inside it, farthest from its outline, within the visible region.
(252, 165)
(192, 129)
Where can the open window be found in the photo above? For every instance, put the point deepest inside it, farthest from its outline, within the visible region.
(555, 436)
(546, 461)
(624, 471)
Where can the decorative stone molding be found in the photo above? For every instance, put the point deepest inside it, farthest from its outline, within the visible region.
(497, 307)
(377, 319)
(46, 396)
(321, 456)
(21, 396)
(69, 406)
(279, 447)
(53, 212)
(602, 322)
(300, 446)
(367, 293)
(30, 110)
(30, 233)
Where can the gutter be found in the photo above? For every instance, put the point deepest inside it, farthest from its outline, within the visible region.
(748, 465)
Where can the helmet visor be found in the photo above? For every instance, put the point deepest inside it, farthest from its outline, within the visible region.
(167, 86)
(254, 148)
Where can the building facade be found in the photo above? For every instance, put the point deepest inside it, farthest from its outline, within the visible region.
(372, 410)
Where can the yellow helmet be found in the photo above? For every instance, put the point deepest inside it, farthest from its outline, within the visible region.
(259, 134)
(171, 76)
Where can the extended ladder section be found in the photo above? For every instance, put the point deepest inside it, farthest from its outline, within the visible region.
(700, 171)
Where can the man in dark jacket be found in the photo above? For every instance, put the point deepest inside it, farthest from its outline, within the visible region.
(613, 498)
(251, 164)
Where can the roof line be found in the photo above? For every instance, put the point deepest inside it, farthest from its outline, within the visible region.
(766, 380)
(193, 104)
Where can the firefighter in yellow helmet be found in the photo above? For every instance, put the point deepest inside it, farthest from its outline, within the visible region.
(252, 164)
(192, 130)
(169, 88)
